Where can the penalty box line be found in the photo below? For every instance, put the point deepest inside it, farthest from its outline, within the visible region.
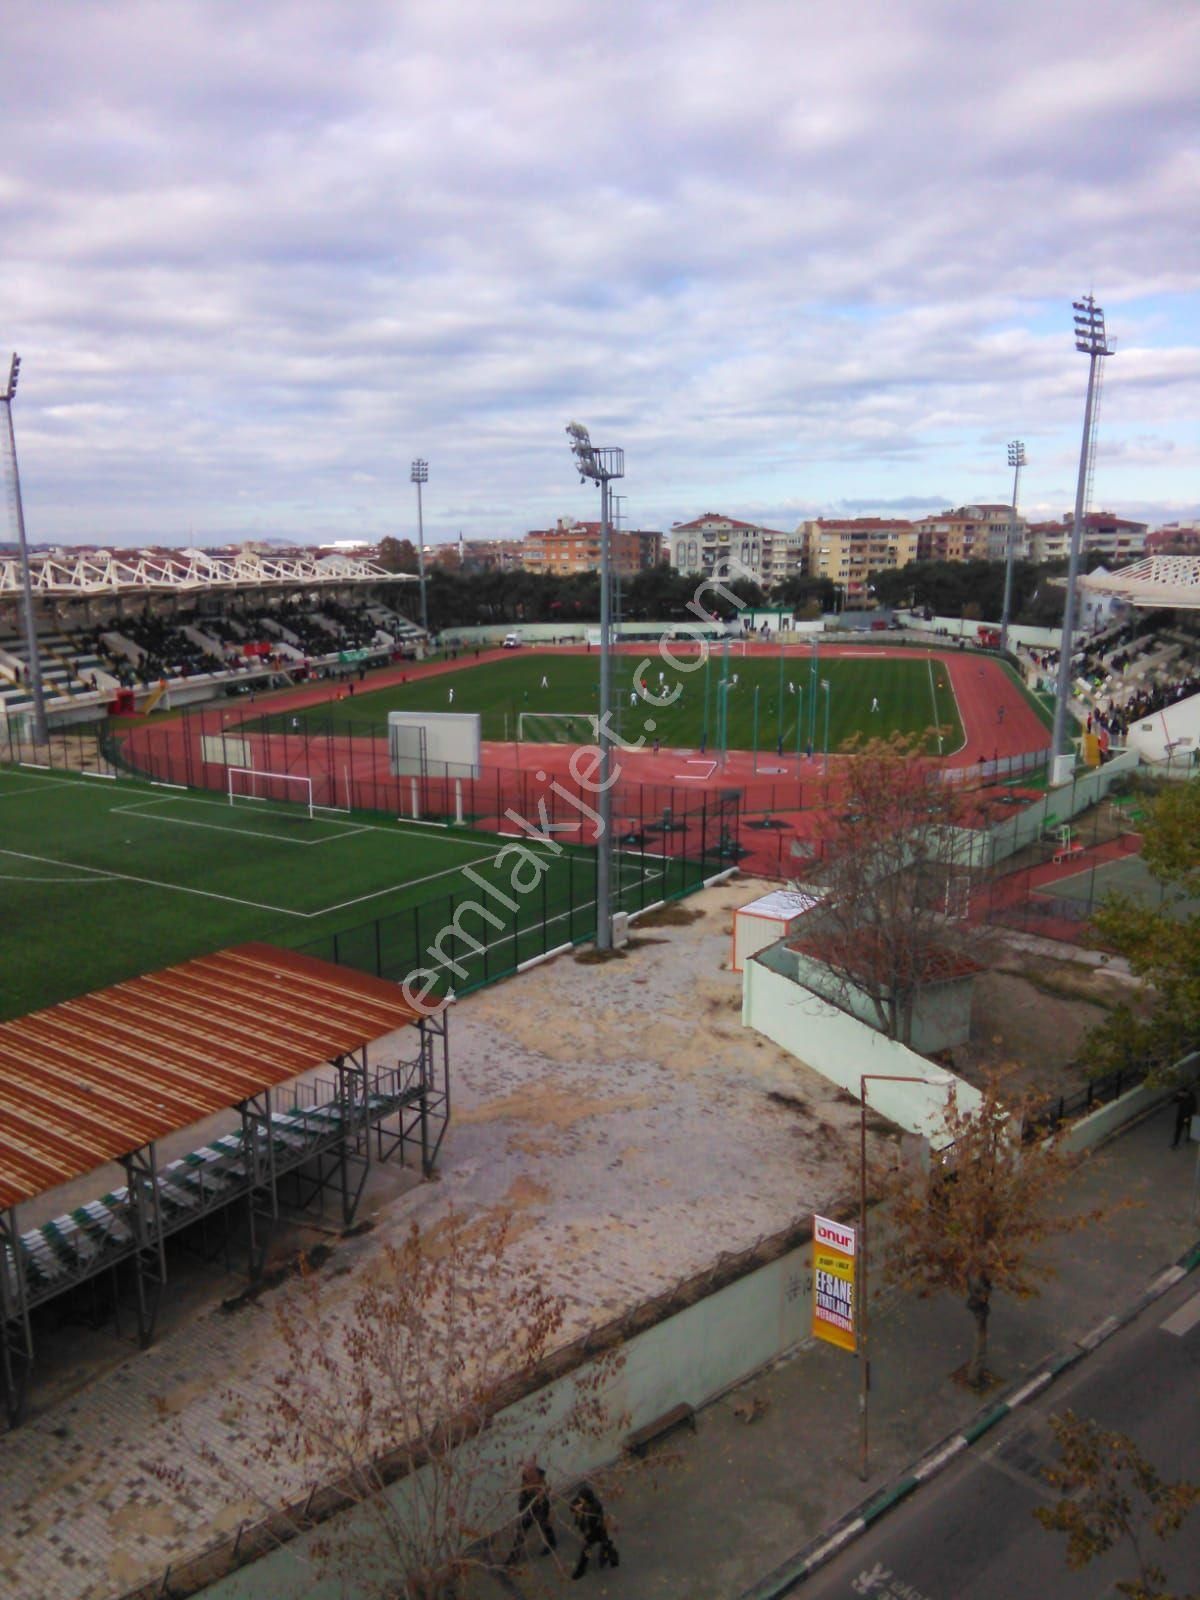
(140, 809)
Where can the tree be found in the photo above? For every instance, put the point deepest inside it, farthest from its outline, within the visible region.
(396, 1401)
(975, 1222)
(1161, 944)
(396, 555)
(1110, 1494)
(889, 865)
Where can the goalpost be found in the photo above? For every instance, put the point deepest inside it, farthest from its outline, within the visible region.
(251, 784)
(558, 727)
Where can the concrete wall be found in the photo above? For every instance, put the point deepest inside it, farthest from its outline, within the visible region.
(1101, 1124)
(1174, 731)
(842, 1049)
(941, 1011)
(692, 1356)
(956, 627)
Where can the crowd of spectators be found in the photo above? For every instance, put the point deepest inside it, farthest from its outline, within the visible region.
(166, 651)
(1102, 669)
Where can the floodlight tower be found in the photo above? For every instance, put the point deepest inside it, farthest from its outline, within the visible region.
(420, 475)
(602, 465)
(1091, 341)
(1016, 460)
(35, 665)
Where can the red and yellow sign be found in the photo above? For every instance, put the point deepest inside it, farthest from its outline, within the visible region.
(834, 1305)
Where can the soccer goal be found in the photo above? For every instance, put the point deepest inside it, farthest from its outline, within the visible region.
(558, 727)
(249, 785)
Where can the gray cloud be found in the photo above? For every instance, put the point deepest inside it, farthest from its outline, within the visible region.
(792, 259)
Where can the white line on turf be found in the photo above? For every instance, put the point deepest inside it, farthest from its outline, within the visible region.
(139, 810)
(155, 883)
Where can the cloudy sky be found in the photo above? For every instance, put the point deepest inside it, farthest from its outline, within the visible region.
(796, 257)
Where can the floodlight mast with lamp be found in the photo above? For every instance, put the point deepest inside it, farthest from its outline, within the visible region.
(601, 465)
(40, 734)
(1091, 340)
(1016, 460)
(420, 475)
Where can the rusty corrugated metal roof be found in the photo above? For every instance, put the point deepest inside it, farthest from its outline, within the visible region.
(91, 1079)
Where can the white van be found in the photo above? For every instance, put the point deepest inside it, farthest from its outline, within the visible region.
(513, 641)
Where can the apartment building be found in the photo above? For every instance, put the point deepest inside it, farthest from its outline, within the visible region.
(766, 555)
(1116, 539)
(971, 533)
(571, 547)
(847, 551)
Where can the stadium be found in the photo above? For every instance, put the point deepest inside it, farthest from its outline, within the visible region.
(246, 832)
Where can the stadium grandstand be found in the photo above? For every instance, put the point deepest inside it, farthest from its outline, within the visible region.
(103, 1087)
(191, 625)
(1138, 677)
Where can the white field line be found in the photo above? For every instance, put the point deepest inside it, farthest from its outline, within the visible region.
(38, 788)
(696, 777)
(138, 809)
(104, 873)
(933, 701)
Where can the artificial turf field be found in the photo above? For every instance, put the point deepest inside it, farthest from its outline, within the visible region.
(914, 696)
(103, 880)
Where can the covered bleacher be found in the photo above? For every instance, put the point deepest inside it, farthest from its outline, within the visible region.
(106, 1077)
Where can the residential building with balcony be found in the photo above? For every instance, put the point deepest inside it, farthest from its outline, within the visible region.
(764, 555)
(847, 551)
(971, 533)
(1114, 538)
(571, 547)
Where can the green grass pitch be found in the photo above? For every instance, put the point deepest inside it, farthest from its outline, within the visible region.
(554, 697)
(106, 880)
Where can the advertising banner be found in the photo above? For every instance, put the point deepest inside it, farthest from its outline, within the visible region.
(835, 1307)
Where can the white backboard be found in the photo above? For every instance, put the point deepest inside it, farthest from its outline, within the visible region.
(434, 744)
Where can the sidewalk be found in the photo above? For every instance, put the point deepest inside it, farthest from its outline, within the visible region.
(714, 1513)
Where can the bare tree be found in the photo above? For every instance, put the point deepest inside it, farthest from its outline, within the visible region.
(974, 1223)
(395, 1403)
(895, 864)
(1111, 1495)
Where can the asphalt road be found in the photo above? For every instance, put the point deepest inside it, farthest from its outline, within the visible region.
(970, 1534)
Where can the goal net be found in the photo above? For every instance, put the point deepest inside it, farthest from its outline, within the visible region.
(248, 786)
(558, 727)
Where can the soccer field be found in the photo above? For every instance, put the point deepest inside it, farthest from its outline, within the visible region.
(763, 701)
(106, 880)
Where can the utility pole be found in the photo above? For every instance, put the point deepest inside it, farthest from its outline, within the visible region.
(1016, 460)
(420, 475)
(601, 465)
(40, 735)
(1091, 341)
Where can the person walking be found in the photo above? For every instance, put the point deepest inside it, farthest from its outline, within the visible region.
(533, 1505)
(1185, 1110)
(593, 1525)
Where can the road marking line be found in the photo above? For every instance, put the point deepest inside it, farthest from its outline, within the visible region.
(1185, 1319)
(1032, 1387)
(948, 1451)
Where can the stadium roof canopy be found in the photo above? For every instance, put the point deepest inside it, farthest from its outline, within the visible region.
(113, 572)
(95, 1078)
(1168, 582)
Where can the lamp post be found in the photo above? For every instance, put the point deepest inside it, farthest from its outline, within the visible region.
(1091, 341)
(1016, 460)
(825, 687)
(40, 735)
(940, 1081)
(601, 465)
(420, 475)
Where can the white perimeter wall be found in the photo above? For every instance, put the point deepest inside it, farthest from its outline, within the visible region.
(842, 1049)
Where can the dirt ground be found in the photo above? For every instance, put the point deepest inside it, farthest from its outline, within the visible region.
(1030, 1013)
